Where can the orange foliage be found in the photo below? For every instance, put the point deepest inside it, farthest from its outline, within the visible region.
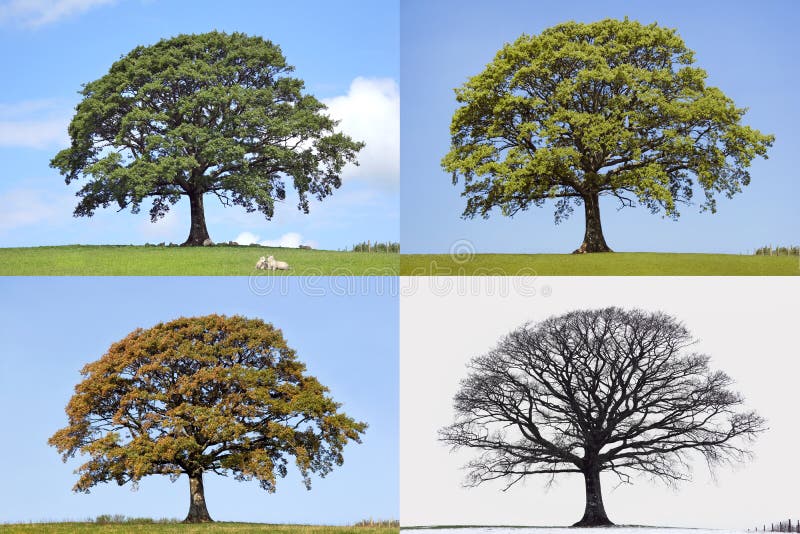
(212, 393)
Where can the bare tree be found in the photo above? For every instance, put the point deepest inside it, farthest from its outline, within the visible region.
(598, 390)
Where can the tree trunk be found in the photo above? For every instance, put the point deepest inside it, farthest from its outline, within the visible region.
(198, 233)
(595, 513)
(198, 513)
(593, 240)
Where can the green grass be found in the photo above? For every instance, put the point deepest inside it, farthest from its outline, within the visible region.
(180, 528)
(610, 264)
(90, 260)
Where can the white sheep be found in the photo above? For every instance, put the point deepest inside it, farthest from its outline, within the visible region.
(275, 265)
(262, 263)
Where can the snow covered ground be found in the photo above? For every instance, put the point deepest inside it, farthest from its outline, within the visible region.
(565, 530)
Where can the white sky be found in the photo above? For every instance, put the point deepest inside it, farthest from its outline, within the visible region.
(747, 325)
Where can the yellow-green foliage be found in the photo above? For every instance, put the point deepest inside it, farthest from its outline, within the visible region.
(202, 393)
(614, 107)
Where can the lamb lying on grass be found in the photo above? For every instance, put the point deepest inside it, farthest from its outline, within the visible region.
(271, 264)
(275, 265)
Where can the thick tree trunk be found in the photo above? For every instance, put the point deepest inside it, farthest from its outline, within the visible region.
(198, 513)
(593, 240)
(198, 233)
(595, 513)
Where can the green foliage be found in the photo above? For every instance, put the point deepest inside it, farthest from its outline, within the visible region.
(614, 107)
(370, 523)
(778, 251)
(212, 393)
(368, 246)
(210, 113)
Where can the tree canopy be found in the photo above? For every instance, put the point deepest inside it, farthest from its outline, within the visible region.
(195, 114)
(611, 108)
(590, 391)
(213, 393)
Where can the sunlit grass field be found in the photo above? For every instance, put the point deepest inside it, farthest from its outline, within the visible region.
(180, 528)
(89, 260)
(610, 264)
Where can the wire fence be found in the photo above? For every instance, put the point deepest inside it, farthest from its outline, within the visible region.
(781, 526)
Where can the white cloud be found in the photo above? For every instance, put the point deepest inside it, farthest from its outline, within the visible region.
(34, 124)
(25, 108)
(28, 207)
(33, 134)
(246, 238)
(370, 112)
(287, 240)
(35, 13)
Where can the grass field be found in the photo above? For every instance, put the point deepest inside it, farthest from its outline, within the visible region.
(612, 264)
(180, 528)
(89, 260)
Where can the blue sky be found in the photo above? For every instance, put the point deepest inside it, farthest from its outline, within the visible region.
(346, 51)
(748, 50)
(346, 334)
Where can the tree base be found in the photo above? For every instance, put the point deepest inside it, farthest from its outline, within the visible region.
(196, 242)
(198, 514)
(587, 248)
(593, 240)
(198, 520)
(594, 522)
(198, 233)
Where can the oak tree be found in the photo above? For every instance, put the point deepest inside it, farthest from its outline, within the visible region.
(581, 111)
(197, 114)
(595, 391)
(213, 393)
